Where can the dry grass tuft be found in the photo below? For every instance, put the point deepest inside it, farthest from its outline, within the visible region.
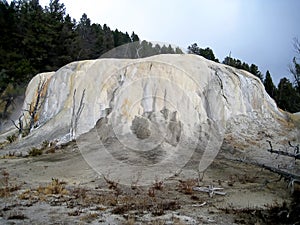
(151, 192)
(11, 138)
(35, 152)
(186, 186)
(6, 188)
(110, 183)
(158, 185)
(46, 147)
(55, 187)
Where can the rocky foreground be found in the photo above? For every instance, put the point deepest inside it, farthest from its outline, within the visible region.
(61, 188)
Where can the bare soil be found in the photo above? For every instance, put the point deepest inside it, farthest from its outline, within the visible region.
(61, 188)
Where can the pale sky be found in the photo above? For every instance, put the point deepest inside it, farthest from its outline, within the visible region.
(254, 31)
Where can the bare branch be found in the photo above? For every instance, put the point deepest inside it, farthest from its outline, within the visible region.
(14, 123)
(289, 176)
(34, 108)
(296, 148)
(270, 145)
(20, 126)
(137, 51)
(286, 175)
(296, 45)
(279, 152)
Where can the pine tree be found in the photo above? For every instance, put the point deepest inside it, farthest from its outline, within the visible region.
(206, 53)
(170, 49)
(254, 70)
(157, 49)
(269, 85)
(194, 49)
(134, 37)
(178, 51)
(108, 41)
(288, 98)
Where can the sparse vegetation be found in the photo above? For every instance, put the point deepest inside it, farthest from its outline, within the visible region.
(45, 144)
(55, 187)
(110, 183)
(3, 144)
(6, 188)
(143, 203)
(11, 138)
(87, 203)
(158, 184)
(134, 183)
(35, 152)
(151, 192)
(186, 186)
(46, 147)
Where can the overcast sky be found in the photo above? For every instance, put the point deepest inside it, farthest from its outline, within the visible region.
(254, 31)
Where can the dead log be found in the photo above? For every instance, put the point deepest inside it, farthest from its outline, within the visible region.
(282, 173)
(288, 176)
(295, 155)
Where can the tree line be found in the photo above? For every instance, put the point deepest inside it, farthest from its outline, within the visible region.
(286, 94)
(35, 39)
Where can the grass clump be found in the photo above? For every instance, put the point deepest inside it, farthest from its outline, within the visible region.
(6, 188)
(46, 147)
(186, 186)
(11, 138)
(55, 187)
(35, 152)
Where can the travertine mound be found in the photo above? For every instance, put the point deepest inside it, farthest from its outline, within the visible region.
(192, 86)
(167, 100)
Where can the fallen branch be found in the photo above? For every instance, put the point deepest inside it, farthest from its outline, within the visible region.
(291, 177)
(199, 205)
(286, 175)
(296, 148)
(295, 155)
(211, 190)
